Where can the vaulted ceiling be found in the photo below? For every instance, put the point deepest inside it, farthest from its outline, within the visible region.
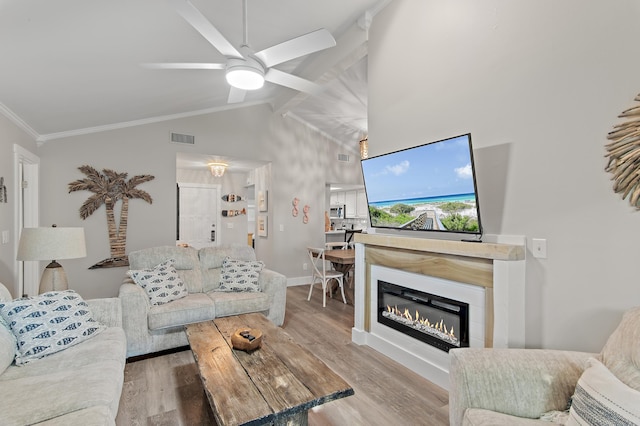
(72, 67)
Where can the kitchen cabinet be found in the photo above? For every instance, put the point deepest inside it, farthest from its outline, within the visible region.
(362, 208)
(350, 202)
(355, 202)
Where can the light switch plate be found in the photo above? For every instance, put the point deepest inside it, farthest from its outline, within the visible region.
(539, 248)
(5, 237)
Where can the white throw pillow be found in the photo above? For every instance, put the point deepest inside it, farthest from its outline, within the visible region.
(8, 345)
(601, 398)
(240, 275)
(162, 283)
(48, 323)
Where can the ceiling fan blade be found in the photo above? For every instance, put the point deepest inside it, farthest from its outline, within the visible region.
(198, 21)
(296, 47)
(289, 80)
(184, 66)
(236, 95)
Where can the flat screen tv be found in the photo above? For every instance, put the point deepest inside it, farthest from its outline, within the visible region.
(430, 187)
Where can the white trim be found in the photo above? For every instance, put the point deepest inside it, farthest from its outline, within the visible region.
(18, 121)
(26, 215)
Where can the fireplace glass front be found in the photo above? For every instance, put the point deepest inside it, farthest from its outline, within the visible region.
(435, 320)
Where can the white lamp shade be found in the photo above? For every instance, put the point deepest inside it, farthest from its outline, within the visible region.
(52, 243)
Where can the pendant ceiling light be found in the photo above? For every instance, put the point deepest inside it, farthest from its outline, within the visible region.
(217, 169)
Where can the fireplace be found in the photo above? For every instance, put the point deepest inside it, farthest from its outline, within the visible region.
(436, 320)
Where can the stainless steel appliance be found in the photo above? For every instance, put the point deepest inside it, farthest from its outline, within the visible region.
(337, 211)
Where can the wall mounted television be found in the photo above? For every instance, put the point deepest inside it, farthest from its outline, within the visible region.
(430, 187)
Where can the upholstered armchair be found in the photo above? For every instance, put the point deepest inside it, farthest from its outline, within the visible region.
(534, 386)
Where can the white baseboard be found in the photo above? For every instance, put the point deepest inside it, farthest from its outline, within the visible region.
(298, 281)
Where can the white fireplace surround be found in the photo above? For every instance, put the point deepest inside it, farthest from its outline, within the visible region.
(496, 311)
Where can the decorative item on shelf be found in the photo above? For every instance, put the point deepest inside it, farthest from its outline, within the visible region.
(294, 212)
(262, 201)
(262, 226)
(624, 155)
(364, 147)
(49, 244)
(231, 213)
(109, 187)
(217, 169)
(305, 210)
(3, 191)
(231, 198)
(327, 222)
(246, 339)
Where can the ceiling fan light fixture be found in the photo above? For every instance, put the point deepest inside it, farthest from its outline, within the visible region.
(244, 75)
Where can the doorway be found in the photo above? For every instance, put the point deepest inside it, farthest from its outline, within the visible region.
(198, 215)
(27, 196)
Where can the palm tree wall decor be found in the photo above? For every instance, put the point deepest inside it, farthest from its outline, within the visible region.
(108, 188)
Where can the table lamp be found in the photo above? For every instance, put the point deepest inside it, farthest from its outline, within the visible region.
(48, 244)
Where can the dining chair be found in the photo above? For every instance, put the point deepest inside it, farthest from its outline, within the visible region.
(320, 272)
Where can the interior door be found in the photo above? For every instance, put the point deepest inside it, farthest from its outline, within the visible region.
(198, 215)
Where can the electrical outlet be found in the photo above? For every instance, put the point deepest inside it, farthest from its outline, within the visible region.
(230, 225)
(305, 266)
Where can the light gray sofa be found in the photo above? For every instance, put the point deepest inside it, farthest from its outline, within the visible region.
(152, 328)
(518, 386)
(80, 385)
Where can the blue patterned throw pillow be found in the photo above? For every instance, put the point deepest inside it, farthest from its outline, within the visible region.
(240, 275)
(48, 323)
(162, 283)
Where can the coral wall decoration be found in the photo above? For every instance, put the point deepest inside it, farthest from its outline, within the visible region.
(624, 155)
(109, 188)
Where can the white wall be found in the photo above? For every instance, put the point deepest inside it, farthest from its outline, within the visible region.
(10, 134)
(300, 166)
(538, 84)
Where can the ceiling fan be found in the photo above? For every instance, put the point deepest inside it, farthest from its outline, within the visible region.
(245, 69)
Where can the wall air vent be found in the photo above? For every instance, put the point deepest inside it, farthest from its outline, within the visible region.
(343, 157)
(180, 138)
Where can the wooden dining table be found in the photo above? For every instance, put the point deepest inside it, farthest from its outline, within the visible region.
(343, 261)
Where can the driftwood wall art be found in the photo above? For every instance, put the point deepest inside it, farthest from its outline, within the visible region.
(623, 151)
(109, 188)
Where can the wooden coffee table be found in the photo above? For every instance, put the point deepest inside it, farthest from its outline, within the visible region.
(276, 384)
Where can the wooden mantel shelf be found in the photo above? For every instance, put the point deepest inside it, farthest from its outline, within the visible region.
(493, 251)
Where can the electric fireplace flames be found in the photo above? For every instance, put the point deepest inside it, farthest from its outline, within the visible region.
(436, 320)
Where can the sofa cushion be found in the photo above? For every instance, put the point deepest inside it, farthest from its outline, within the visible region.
(621, 353)
(211, 259)
(482, 417)
(48, 323)
(195, 307)
(240, 275)
(86, 375)
(239, 303)
(601, 398)
(186, 263)
(161, 283)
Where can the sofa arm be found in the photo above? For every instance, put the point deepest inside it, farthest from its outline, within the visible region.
(520, 382)
(135, 310)
(275, 284)
(106, 311)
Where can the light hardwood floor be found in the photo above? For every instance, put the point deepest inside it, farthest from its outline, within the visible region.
(166, 390)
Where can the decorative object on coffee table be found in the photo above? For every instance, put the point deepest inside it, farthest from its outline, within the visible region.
(109, 187)
(624, 155)
(246, 339)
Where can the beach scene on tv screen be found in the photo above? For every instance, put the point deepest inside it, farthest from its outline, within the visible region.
(429, 187)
